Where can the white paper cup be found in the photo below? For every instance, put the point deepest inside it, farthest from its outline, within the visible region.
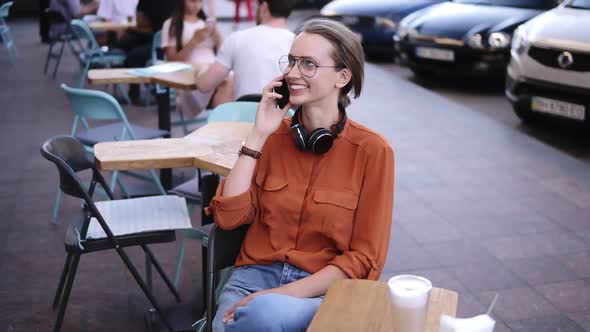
(409, 298)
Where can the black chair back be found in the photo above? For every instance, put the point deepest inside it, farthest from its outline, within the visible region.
(222, 251)
(224, 247)
(256, 97)
(59, 25)
(69, 156)
(55, 17)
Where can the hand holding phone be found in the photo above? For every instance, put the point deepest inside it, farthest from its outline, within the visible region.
(283, 90)
(268, 116)
(210, 23)
(201, 35)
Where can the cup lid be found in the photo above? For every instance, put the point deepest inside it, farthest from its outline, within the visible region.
(408, 284)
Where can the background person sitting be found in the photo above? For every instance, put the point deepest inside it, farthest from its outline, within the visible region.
(118, 11)
(252, 53)
(187, 37)
(137, 42)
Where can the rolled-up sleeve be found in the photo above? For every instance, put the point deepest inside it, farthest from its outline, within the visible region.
(231, 212)
(373, 217)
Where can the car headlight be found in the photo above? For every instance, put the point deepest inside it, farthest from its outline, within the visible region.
(402, 30)
(385, 22)
(519, 42)
(499, 40)
(475, 41)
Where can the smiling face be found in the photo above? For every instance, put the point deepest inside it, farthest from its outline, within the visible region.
(192, 7)
(309, 49)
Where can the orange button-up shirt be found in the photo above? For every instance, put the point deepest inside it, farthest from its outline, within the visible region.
(315, 210)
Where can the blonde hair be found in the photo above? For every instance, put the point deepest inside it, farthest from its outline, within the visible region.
(348, 53)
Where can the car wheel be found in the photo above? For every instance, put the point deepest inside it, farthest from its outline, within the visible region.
(423, 74)
(524, 113)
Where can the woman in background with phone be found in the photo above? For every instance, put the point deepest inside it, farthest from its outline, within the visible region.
(189, 36)
(316, 189)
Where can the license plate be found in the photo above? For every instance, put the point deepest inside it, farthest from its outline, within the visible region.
(435, 54)
(556, 107)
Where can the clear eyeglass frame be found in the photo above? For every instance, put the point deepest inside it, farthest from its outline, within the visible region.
(307, 66)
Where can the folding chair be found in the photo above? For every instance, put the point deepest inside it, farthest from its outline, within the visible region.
(5, 34)
(93, 55)
(91, 105)
(112, 224)
(222, 252)
(59, 37)
(156, 53)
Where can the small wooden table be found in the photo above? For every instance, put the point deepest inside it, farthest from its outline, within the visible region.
(184, 80)
(364, 305)
(212, 147)
(103, 26)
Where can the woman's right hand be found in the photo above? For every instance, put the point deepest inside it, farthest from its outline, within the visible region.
(268, 116)
(200, 35)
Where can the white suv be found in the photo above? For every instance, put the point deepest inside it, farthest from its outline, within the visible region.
(549, 70)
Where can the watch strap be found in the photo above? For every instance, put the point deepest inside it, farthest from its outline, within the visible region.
(244, 150)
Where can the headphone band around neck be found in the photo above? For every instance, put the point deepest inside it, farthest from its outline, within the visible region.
(337, 128)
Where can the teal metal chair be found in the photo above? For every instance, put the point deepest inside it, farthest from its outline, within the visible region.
(155, 57)
(5, 34)
(156, 45)
(89, 105)
(228, 112)
(93, 55)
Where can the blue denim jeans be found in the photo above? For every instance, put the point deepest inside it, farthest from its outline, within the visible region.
(269, 312)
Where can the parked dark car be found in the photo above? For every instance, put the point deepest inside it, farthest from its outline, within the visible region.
(375, 21)
(469, 37)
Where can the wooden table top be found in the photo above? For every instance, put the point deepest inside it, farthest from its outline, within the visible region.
(116, 76)
(102, 26)
(212, 147)
(364, 305)
(184, 79)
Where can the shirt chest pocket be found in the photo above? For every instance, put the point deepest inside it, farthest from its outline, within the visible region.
(274, 198)
(337, 209)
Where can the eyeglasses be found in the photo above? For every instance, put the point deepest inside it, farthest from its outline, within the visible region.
(307, 66)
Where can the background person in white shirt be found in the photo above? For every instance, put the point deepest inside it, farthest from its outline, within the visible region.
(116, 10)
(253, 54)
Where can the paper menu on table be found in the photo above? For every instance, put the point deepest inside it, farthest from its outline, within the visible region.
(167, 67)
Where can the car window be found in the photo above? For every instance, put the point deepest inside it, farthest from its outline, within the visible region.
(583, 4)
(532, 4)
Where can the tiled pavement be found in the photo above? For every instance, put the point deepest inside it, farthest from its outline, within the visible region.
(479, 209)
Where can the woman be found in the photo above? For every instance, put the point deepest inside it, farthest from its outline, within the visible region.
(188, 37)
(315, 215)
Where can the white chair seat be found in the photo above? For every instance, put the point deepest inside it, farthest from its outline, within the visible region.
(137, 215)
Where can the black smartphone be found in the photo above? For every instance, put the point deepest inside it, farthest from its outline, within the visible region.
(283, 90)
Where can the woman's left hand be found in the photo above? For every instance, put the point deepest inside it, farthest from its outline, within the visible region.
(229, 315)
